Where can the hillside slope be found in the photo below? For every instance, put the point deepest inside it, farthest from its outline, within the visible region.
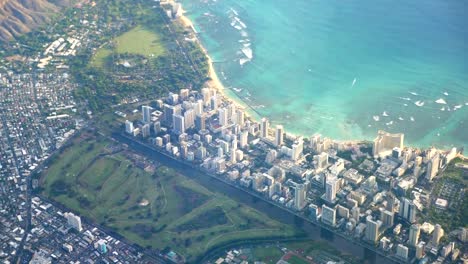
(20, 16)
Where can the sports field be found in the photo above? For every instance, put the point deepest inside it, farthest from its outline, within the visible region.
(137, 41)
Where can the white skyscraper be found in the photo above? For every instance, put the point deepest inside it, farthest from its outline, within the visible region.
(234, 145)
(231, 108)
(264, 127)
(240, 117)
(214, 102)
(433, 167)
(437, 234)
(386, 142)
(420, 250)
(408, 210)
(170, 111)
(206, 94)
(372, 229)
(146, 114)
(129, 127)
(244, 137)
(331, 189)
(402, 251)
(73, 221)
(300, 196)
(178, 123)
(223, 116)
(387, 218)
(328, 215)
(198, 107)
(297, 148)
(414, 235)
(321, 161)
(189, 117)
(279, 133)
(220, 152)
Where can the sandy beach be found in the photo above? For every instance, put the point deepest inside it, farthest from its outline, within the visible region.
(215, 82)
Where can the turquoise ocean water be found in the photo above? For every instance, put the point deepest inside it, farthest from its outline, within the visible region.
(345, 68)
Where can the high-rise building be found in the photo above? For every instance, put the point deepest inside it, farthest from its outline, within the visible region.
(240, 117)
(200, 122)
(214, 102)
(146, 114)
(233, 157)
(321, 161)
(223, 117)
(184, 93)
(234, 145)
(173, 98)
(300, 196)
(178, 123)
(220, 152)
(198, 107)
(402, 251)
(408, 210)
(271, 156)
(331, 189)
(157, 127)
(231, 109)
(355, 212)
(297, 148)
(224, 145)
(183, 149)
(145, 130)
(74, 221)
(239, 155)
(129, 127)
(420, 250)
(189, 117)
(206, 95)
(342, 211)
(386, 142)
(328, 215)
(244, 137)
(314, 211)
(437, 234)
(414, 235)
(433, 167)
(264, 127)
(200, 153)
(387, 218)
(279, 133)
(170, 111)
(372, 229)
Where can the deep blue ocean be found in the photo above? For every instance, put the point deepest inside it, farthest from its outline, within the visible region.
(345, 68)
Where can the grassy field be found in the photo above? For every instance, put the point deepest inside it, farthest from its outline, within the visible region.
(269, 254)
(319, 251)
(140, 41)
(100, 56)
(154, 209)
(296, 260)
(137, 41)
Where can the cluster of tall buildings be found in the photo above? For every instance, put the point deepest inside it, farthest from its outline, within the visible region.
(361, 200)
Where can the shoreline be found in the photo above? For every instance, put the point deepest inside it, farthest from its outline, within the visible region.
(216, 84)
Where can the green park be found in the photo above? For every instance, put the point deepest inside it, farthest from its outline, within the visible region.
(155, 208)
